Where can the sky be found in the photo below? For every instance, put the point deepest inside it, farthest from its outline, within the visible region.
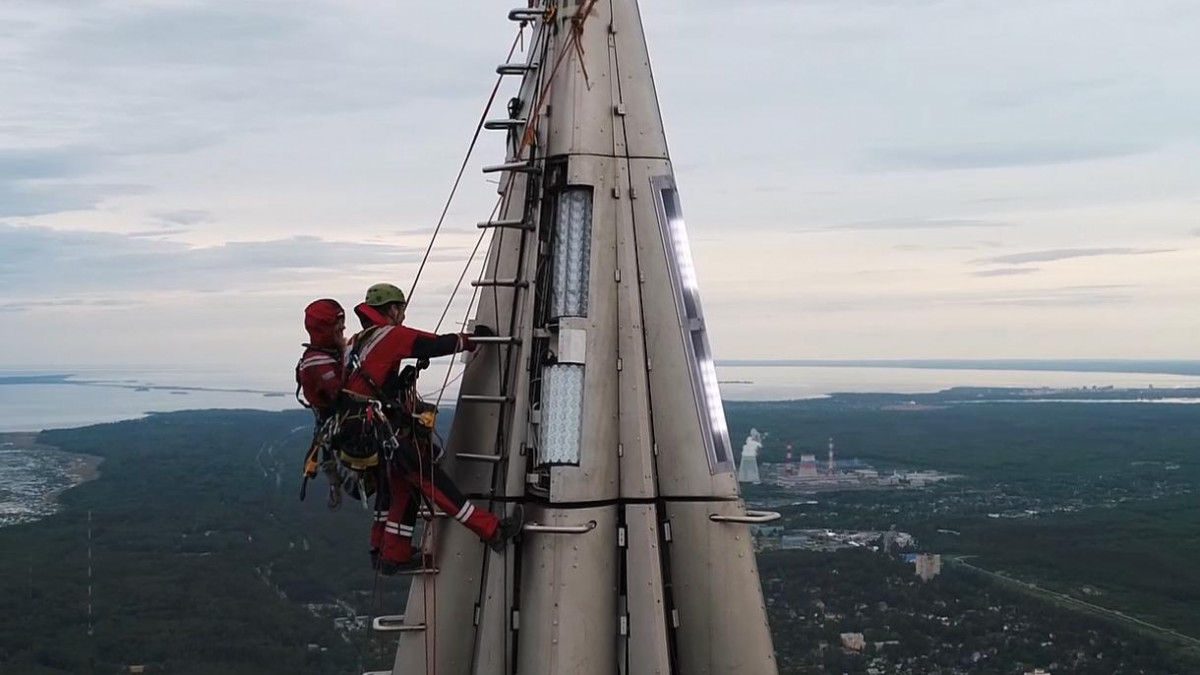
(861, 178)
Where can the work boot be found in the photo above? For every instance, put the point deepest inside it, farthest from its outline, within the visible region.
(510, 528)
(415, 564)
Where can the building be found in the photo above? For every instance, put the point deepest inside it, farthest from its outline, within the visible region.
(791, 542)
(748, 468)
(928, 565)
(808, 466)
(854, 641)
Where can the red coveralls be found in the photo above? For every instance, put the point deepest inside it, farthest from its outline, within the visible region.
(396, 509)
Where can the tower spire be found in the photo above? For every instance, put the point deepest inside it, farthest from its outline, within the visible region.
(599, 410)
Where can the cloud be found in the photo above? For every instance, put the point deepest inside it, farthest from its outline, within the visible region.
(179, 34)
(161, 232)
(910, 224)
(998, 156)
(1072, 296)
(973, 246)
(184, 216)
(1066, 296)
(68, 303)
(1065, 254)
(34, 198)
(1012, 272)
(114, 264)
(426, 231)
(39, 163)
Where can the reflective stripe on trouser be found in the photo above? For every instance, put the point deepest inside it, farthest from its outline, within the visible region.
(398, 521)
(438, 488)
(383, 499)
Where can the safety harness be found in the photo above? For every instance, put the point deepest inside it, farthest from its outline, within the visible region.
(349, 443)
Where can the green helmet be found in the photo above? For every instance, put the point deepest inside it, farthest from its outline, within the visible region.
(383, 294)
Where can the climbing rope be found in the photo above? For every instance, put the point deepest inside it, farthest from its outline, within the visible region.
(572, 44)
(463, 167)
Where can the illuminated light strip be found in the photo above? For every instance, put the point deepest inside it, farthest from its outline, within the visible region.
(572, 252)
(704, 374)
(683, 256)
(562, 414)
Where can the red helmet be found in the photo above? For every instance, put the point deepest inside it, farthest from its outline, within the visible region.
(321, 319)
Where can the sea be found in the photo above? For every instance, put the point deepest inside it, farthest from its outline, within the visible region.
(32, 399)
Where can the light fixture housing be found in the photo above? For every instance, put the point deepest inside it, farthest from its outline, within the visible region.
(705, 388)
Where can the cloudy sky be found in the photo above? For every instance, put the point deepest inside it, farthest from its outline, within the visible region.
(862, 178)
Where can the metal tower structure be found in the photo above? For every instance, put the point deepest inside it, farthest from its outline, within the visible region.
(598, 409)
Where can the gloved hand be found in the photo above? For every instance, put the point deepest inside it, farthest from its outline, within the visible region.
(480, 331)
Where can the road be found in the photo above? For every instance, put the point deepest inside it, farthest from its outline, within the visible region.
(1076, 603)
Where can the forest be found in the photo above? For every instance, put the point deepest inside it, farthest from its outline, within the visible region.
(204, 560)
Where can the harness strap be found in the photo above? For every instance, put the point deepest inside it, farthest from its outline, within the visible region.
(354, 366)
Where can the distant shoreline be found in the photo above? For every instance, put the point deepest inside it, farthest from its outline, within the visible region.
(1127, 366)
(69, 379)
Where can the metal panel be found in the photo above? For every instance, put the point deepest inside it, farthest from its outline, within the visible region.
(455, 589)
(568, 603)
(647, 639)
(680, 429)
(596, 475)
(723, 626)
(572, 343)
(582, 110)
(637, 82)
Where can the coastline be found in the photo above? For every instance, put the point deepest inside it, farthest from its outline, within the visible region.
(56, 472)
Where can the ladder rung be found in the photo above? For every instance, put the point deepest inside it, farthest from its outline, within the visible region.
(527, 14)
(507, 283)
(425, 514)
(495, 340)
(417, 572)
(513, 224)
(483, 398)
(519, 165)
(559, 529)
(471, 457)
(378, 672)
(504, 124)
(751, 517)
(394, 624)
(515, 68)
